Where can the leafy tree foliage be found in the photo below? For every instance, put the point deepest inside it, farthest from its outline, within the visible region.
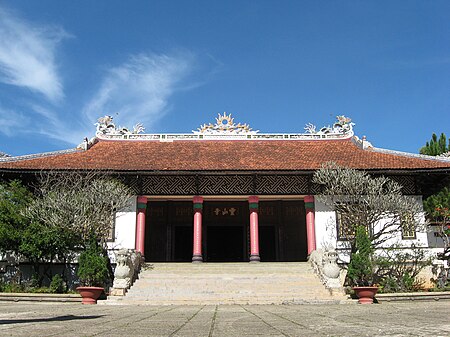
(438, 200)
(436, 146)
(437, 206)
(14, 198)
(26, 237)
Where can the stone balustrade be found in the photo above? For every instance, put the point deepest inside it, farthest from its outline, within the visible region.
(127, 268)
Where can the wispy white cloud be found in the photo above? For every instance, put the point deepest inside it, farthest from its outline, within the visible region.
(11, 121)
(27, 55)
(139, 90)
(50, 124)
(36, 119)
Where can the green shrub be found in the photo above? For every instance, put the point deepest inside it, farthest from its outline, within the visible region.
(11, 287)
(57, 285)
(93, 266)
(397, 269)
(40, 290)
(360, 269)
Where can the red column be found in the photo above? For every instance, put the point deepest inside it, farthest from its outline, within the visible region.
(310, 224)
(254, 237)
(140, 224)
(197, 256)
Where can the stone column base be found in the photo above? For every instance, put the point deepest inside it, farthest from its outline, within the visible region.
(255, 258)
(197, 259)
(117, 292)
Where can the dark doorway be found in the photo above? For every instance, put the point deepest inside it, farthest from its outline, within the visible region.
(267, 243)
(183, 243)
(282, 231)
(225, 244)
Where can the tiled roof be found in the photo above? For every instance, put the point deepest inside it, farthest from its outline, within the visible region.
(208, 155)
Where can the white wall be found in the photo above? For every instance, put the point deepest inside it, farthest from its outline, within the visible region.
(125, 227)
(325, 223)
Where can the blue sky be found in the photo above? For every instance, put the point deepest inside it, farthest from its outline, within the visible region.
(173, 65)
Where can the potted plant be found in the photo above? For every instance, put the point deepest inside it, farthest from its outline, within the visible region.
(93, 272)
(361, 269)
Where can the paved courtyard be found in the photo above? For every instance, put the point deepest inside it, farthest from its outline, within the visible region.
(387, 319)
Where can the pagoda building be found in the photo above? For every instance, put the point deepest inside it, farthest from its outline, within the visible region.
(227, 193)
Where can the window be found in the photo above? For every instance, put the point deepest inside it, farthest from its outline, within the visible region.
(345, 230)
(408, 226)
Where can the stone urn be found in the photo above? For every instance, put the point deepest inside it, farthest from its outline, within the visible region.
(90, 295)
(365, 294)
(330, 267)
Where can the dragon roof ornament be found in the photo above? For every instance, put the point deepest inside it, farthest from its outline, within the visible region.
(343, 125)
(105, 126)
(225, 125)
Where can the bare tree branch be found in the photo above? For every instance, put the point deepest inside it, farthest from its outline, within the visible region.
(361, 200)
(84, 202)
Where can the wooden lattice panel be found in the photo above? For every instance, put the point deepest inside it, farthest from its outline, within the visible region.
(315, 189)
(225, 185)
(169, 185)
(407, 182)
(132, 183)
(281, 184)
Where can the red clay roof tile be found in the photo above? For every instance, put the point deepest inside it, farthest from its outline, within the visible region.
(254, 155)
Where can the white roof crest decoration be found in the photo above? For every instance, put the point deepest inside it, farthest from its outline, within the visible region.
(224, 129)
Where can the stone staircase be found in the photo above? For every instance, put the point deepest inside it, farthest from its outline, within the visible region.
(226, 283)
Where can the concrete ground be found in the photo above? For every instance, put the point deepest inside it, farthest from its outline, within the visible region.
(386, 319)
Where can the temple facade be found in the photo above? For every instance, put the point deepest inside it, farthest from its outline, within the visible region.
(227, 193)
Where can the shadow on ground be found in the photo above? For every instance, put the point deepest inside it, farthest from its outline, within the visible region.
(48, 319)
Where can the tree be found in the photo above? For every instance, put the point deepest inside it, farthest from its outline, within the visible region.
(375, 203)
(25, 237)
(83, 203)
(437, 207)
(435, 146)
(14, 198)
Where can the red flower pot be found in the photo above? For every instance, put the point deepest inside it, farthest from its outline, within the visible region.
(365, 294)
(89, 294)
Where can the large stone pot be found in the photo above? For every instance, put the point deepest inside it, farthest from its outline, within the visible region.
(365, 294)
(89, 294)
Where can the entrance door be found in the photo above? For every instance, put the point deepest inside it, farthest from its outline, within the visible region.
(225, 243)
(267, 243)
(225, 231)
(183, 243)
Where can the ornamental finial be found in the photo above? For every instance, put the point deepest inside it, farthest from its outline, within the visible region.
(225, 125)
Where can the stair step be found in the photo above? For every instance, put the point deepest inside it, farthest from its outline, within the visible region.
(226, 283)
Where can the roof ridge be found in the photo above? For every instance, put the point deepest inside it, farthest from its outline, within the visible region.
(412, 155)
(38, 155)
